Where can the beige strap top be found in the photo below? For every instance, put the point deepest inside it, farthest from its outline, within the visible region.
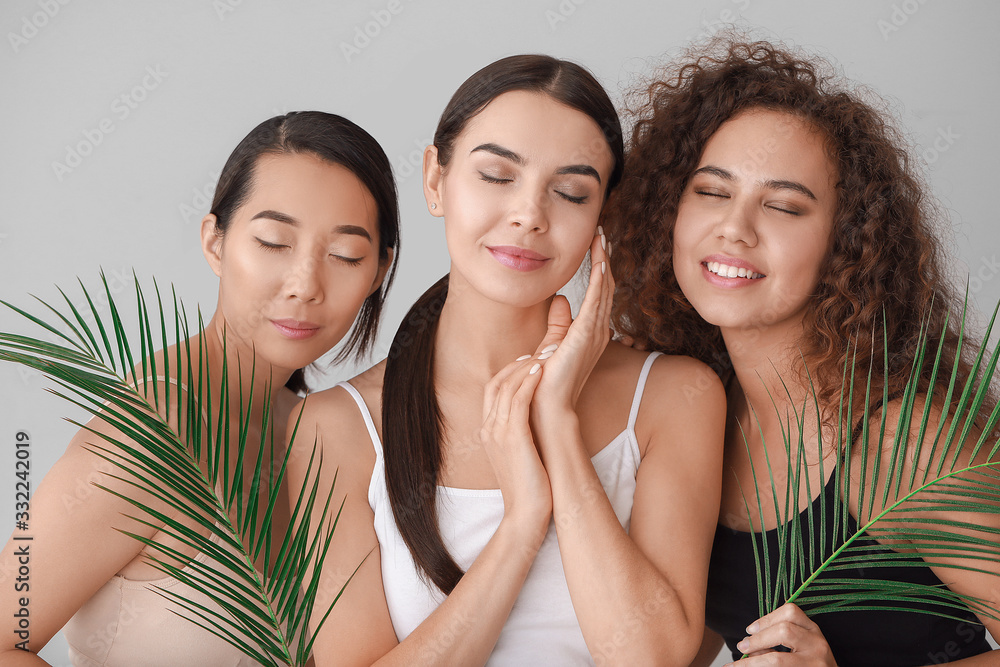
(128, 624)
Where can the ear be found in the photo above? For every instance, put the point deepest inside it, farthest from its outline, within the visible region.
(211, 243)
(383, 269)
(433, 182)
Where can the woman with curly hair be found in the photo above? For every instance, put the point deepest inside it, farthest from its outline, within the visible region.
(771, 223)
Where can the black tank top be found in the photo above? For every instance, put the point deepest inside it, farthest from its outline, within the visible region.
(876, 637)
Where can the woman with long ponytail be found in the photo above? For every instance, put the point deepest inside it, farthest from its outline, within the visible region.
(515, 489)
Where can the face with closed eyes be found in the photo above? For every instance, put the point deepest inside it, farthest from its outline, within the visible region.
(297, 260)
(755, 221)
(521, 195)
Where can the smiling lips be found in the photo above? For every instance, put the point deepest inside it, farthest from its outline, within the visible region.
(729, 271)
(519, 259)
(295, 329)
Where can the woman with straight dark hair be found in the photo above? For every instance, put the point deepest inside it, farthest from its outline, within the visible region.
(516, 490)
(772, 223)
(302, 234)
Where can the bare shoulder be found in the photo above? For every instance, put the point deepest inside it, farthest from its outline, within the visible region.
(686, 383)
(333, 420)
(925, 434)
(682, 396)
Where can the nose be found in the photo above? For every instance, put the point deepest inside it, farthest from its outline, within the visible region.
(304, 281)
(738, 223)
(530, 210)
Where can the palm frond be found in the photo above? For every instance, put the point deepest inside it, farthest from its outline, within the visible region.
(184, 449)
(896, 501)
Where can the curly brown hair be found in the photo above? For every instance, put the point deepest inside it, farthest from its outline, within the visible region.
(886, 267)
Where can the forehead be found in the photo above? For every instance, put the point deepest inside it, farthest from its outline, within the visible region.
(540, 129)
(311, 189)
(762, 143)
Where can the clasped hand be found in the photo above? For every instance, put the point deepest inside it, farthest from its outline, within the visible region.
(544, 385)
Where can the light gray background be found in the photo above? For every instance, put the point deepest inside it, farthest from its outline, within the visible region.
(135, 199)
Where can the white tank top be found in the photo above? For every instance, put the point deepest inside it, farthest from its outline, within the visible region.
(542, 628)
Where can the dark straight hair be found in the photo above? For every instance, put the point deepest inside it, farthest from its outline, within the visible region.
(336, 140)
(411, 417)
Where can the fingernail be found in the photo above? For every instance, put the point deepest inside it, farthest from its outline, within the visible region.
(523, 357)
(545, 355)
(604, 242)
(743, 645)
(604, 267)
(550, 348)
(600, 230)
(753, 627)
(534, 369)
(609, 248)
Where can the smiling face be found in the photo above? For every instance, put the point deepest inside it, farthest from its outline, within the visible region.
(297, 260)
(521, 195)
(755, 222)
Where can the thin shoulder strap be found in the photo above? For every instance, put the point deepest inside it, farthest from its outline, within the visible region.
(369, 423)
(633, 413)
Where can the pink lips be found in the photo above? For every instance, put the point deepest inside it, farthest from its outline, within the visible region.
(519, 259)
(726, 282)
(295, 329)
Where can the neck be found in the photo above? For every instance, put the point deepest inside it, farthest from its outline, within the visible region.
(477, 337)
(767, 364)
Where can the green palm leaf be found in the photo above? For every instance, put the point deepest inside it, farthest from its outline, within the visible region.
(197, 459)
(961, 477)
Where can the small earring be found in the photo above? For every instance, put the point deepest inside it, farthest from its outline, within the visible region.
(433, 205)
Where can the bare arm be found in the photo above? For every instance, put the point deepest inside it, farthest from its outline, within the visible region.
(640, 597)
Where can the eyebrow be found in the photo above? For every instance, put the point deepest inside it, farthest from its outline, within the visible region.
(278, 216)
(795, 186)
(507, 154)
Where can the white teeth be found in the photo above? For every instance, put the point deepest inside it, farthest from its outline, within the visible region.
(727, 271)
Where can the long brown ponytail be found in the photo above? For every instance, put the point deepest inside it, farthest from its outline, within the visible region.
(411, 417)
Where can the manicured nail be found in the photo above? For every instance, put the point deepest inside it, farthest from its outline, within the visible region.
(550, 348)
(600, 230)
(523, 357)
(604, 242)
(534, 369)
(753, 627)
(545, 355)
(604, 268)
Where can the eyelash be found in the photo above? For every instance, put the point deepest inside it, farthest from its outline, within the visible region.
(773, 208)
(275, 247)
(269, 247)
(500, 181)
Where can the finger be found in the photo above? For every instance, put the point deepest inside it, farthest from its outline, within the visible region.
(559, 322)
(785, 633)
(593, 296)
(520, 405)
(509, 388)
(493, 386)
(786, 613)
